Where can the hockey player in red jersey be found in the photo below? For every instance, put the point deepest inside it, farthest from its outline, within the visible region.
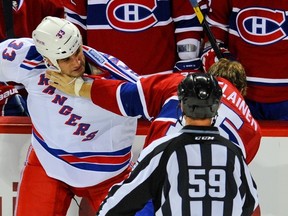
(149, 36)
(234, 119)
(194, 171)
(255, 33)
(155, 96)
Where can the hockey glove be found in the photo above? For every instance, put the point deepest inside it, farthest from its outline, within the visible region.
(209, 57)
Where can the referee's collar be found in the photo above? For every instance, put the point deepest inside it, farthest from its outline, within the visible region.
(200, 129)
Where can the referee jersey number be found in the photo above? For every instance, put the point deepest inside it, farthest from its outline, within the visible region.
(214, 187)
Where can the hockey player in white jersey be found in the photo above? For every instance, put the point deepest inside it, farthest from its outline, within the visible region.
(77, 148)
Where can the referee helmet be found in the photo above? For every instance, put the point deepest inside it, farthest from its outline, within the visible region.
(200, 95)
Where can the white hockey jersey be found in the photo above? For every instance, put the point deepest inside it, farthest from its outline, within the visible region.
(76, 141)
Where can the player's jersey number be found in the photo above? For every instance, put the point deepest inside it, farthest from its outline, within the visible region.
(230, 129)
(9, 53)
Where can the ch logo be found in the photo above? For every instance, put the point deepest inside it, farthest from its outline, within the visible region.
(261, 26)
(131, 15)
(60, 34)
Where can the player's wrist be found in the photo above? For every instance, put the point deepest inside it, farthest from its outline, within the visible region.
(85, 90)
(78, 85)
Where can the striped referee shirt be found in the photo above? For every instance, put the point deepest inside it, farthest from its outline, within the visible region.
(193, 172)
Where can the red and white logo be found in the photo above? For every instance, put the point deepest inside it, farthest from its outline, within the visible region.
(261, 26)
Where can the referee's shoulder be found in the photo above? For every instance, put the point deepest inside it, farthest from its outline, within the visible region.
(159, 145)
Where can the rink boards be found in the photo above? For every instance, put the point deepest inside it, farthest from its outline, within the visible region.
(269, 168)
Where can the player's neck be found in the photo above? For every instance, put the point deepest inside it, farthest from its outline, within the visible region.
(198, 122)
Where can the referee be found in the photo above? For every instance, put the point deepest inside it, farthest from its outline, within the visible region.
(193, 172)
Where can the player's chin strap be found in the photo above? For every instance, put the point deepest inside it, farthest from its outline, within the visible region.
(214, 119)
(180, 114)
(51, 67)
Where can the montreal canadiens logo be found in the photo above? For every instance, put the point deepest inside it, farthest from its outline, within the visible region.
(133, 16)
(261, 26)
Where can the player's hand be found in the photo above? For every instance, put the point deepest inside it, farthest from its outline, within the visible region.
(61, 82)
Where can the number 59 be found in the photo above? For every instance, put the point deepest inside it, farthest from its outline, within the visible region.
(216, 183)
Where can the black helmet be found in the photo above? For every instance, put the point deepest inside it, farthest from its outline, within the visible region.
(200, 95)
